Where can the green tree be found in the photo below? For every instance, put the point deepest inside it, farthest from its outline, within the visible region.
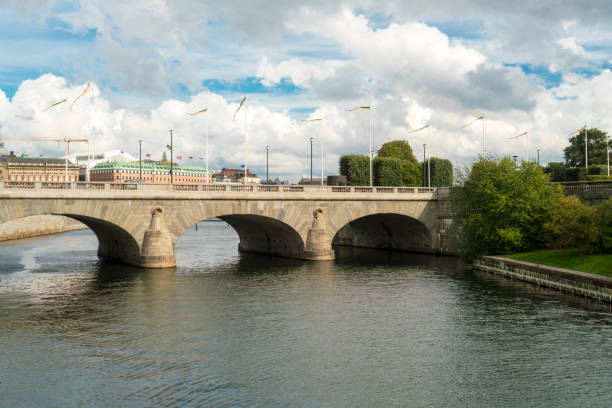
(570, 224)
(574, 153)
(441, 172)
(556, 171)
(501, 206)
(356, 168)
(387, 171)
(603, 219)
(411, 169)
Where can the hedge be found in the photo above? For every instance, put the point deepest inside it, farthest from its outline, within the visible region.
(356, 168)
(387, 171)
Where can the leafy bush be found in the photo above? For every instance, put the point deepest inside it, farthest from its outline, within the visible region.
(575, 174)
(599, 178)
(570, 224)
(387, 171)
(356, 168)
(441, 172)
(598, 169)
(556, 171)
(603, 220)
(502, 206)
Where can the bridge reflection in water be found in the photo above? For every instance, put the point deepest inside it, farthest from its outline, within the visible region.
(139, 224)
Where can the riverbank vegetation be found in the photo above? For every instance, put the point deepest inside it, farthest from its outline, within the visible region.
(575, 259)
(506, 207)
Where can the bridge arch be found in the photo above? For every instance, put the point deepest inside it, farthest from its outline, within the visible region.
(263, 234)
(386, 231)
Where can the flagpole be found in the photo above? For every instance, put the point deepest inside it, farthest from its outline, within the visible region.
(66, 146)
(246, 149)
(586, 151)
(207, 172)
(370, 152)
(89, 140)
(483, 137)
(322, 150)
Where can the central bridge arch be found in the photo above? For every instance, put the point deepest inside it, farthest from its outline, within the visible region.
(386, 231)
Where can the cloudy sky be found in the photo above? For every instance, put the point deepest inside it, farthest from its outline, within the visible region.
(541, 67)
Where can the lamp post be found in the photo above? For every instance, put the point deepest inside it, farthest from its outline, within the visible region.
(171, 156)
(140, 159)
(267, 168)
(311, 139)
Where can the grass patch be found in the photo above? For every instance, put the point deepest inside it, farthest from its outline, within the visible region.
(575, 259)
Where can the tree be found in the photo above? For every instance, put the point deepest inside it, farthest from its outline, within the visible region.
(441, 172)
(411, 169)
(356, 168)
(570, 224)
(501, 206)
(574, 153)
(387, 171)
(603, 219)
(556, 171)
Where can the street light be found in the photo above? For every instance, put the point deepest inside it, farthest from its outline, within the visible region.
(140, 159)
(483, 132)
(311, 139)
(424, 155)
(267, 168)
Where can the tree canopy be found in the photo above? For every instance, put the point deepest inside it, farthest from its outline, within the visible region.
(502, 206)
(574, 153)
(411, 169)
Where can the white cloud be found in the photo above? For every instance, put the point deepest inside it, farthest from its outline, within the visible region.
(569, 43)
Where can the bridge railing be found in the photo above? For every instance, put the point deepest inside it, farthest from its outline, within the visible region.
(586, 185)
(216, 187)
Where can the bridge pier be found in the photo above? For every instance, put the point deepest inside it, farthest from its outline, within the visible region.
(157, 250)
(318, 242)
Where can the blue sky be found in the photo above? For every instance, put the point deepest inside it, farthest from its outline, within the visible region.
(441, 63)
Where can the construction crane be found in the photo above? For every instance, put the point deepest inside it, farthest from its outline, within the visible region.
(51, 139)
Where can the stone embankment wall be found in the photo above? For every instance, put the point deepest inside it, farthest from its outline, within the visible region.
(584, 284)
(37, 225)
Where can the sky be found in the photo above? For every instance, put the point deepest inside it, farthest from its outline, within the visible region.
(538, 67)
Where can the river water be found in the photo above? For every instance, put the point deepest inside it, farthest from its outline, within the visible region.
(371, 329)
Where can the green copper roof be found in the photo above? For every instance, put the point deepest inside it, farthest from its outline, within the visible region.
(147, 165)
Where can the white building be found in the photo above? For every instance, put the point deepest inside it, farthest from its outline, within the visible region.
(95, 158)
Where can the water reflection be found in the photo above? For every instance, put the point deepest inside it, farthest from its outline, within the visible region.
(228, 329)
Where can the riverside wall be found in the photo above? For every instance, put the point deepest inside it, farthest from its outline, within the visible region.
(578, 283)
(37, 225)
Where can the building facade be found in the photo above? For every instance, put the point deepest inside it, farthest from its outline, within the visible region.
(236, 176)
(96, 158)
(152, 172)
(13, 168)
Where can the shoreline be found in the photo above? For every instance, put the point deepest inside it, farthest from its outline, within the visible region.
(566, 280)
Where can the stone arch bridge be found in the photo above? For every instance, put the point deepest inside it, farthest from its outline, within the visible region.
(139, 224)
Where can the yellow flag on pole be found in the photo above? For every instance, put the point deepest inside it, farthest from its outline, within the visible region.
(239, 106)
(358, 107)
(468, 124)
(83, 93)
(55, 104)
(198, 112)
